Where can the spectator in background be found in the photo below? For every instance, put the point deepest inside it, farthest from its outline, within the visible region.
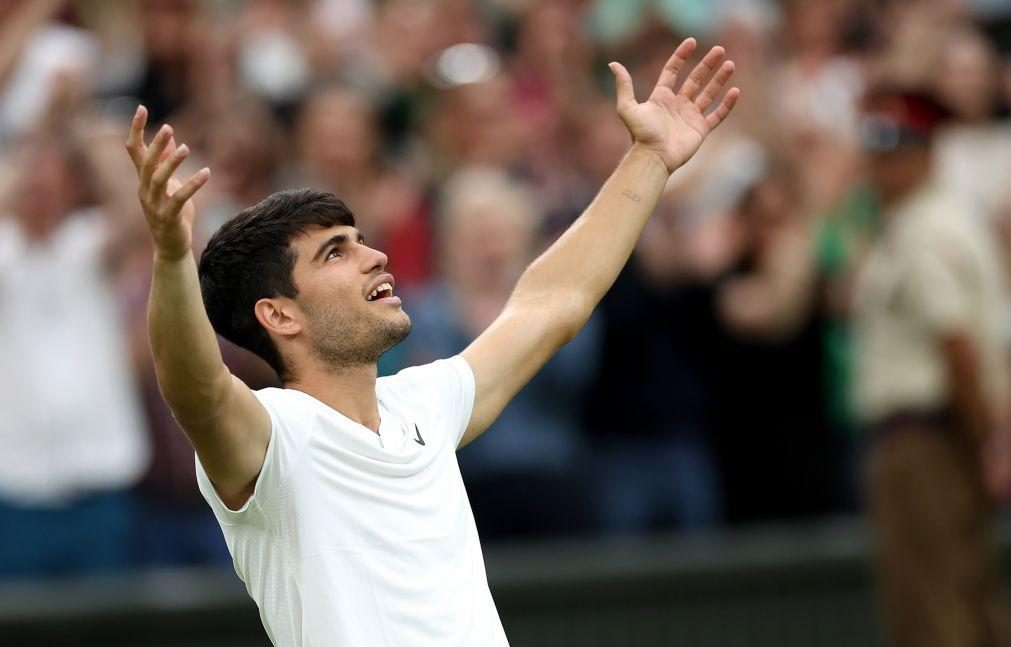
(273, 50)
(38, 53)
(974, 149)
(247, 148)
(650, 406)
(844, 226)
(749, 30)
(932, 386)
(770, 363)
(169, 54)
(476, 123)
(559, 115)
(72, 432)
(525, 479)
(819, 85)
(552, 67)
(341, 151)
(171, 50)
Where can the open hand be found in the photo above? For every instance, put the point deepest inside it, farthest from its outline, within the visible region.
(674, 123)
(166, 201)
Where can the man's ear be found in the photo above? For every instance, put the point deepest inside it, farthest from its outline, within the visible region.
(279, 316)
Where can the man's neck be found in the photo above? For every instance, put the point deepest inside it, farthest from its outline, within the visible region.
(351, 391)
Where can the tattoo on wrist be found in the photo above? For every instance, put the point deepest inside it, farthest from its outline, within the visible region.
(628, 193)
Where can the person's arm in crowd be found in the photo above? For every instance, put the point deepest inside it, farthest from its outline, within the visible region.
(100, 141)
(971, 405)
(227, 425)
(18, 28)
(772, 302)
(95, 147)
(556, 294)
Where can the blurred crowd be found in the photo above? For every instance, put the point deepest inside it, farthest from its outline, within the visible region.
(715, 384)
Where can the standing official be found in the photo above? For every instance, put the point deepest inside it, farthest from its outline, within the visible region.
(931, 385)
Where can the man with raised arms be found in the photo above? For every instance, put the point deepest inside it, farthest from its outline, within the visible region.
(339, 495)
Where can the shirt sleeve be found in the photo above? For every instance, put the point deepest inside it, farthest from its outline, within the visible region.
(461, 389)
(283, 451)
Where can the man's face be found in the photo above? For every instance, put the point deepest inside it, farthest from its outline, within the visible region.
(895, 173)
(346, 298)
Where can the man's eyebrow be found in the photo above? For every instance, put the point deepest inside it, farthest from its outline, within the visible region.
(335, 241)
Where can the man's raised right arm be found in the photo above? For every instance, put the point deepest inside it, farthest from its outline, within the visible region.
(224, 421)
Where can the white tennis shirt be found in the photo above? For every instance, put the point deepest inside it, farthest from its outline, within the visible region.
(353, 539)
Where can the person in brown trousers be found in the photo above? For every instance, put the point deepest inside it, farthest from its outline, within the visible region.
(932, 381)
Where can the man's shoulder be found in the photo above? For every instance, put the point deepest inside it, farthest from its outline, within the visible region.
(940, 220)
(436, 384)
(279, 395)
(286, 404)
(432, 374)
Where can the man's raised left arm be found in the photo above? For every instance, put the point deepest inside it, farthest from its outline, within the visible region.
(556, 294)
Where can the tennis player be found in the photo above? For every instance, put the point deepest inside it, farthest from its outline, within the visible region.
(339, 495)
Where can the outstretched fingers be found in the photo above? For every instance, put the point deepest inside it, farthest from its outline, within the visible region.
(669, 75)
(135, 142)
(186, 191)
(715, 86)
(716, 117)
(153, 154)
(702, 71)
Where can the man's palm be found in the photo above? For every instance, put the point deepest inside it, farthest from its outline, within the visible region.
(674, 122)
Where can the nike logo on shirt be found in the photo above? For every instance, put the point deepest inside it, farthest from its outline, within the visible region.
(419, 439)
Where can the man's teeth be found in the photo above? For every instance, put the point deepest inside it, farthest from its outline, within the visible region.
(383, 287)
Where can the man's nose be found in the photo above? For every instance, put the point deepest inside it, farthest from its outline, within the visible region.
(374, 259)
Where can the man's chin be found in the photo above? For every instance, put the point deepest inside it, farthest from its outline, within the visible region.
(405, 330)
(395, 329)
